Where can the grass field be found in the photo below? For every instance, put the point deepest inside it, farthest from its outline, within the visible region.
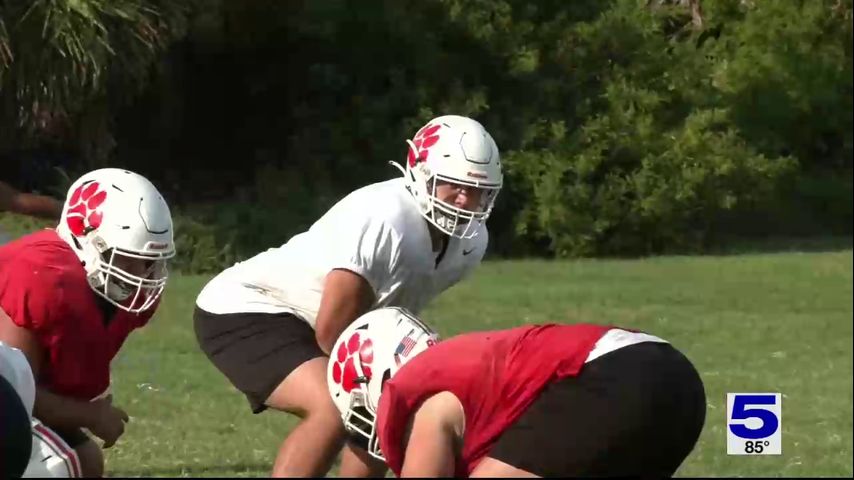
(750, 323)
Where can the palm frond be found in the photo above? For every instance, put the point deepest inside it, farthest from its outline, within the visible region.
(57, 55)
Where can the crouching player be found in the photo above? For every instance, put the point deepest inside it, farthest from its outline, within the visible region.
(69, 298)
(536, 400)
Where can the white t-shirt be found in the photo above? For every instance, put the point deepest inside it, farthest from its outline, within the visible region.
(616, 339)
(376, 232)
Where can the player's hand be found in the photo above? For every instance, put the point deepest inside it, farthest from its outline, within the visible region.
(109, 421)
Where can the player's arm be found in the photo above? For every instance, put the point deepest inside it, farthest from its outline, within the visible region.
(59, 411)
(361, 258)
(346, 296)
(53, 410)
(28, 204)
(433, 437)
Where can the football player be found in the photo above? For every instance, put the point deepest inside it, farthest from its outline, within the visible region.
(71, 295)
(551, 400)
(269, 323)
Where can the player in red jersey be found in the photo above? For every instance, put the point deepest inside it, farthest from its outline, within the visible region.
(536, 400)
(70, 297)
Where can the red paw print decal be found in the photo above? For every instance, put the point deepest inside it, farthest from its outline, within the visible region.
(83, 214)
(344, 370)
(424, 139)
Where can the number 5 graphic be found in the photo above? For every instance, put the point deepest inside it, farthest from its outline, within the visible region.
(770, 423)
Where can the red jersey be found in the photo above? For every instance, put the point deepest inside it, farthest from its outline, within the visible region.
(43, 288)
(495, 375)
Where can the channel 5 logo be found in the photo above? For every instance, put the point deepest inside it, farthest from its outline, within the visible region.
(754, 423)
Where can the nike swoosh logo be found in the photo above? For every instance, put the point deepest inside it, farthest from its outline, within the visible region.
(466, 252)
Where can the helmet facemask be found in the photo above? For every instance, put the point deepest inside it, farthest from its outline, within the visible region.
(361, 415)
(451, 220)
(455, 221)
(131, 292)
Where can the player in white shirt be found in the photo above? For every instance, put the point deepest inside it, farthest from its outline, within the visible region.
(269, 323)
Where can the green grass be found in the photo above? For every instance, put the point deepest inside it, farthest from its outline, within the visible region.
(750, 323)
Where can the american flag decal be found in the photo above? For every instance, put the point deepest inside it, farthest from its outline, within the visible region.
(406, 345)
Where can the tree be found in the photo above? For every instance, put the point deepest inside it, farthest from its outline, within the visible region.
(65, 65)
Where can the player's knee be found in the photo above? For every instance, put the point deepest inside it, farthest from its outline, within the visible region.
(304, 393)
(91, 459)
(323, 414)
(317, 408)
(328, 416)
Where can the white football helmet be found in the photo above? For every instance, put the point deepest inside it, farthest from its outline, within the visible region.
(369, 352)
(458, 150)
(112, 215)
(51, 457)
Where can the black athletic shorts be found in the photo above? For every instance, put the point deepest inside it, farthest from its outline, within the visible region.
(255, 351)
(636, 411)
